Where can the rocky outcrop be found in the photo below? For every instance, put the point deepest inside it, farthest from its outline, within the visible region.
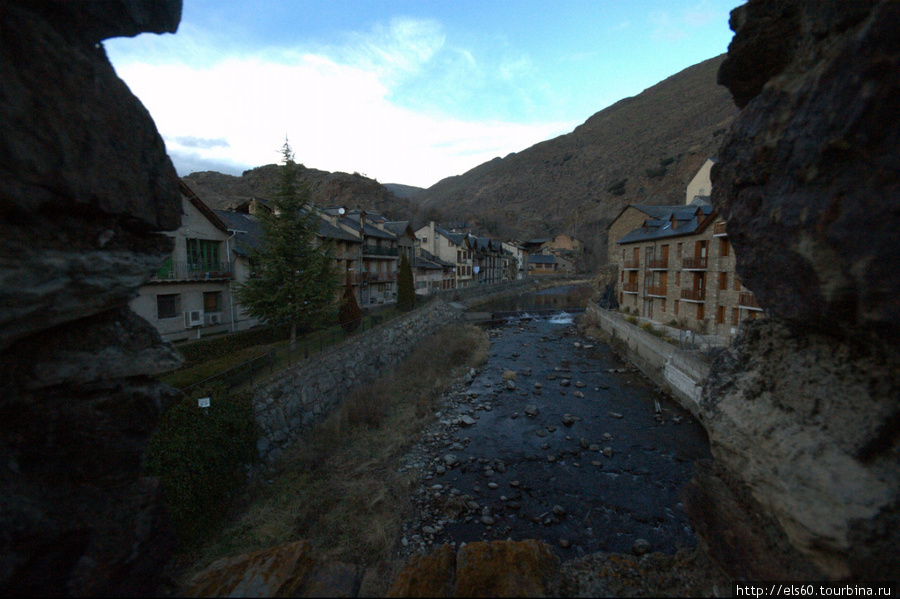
(291, 570)
(804, 411)
(85, 188)
(482, 569)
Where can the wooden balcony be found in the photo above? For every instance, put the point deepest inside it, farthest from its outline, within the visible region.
(659, 291)
(659, 264)
(630, 287)
(694, 263)
(693, 295)
(374, 250)
(631, 264)
(381, 277)
(747, 300)
(174, 270)
(719, 230)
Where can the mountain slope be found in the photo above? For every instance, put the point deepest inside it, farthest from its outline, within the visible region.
(643, 149)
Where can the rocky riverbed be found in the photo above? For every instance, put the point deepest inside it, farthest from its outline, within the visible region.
(555, 439)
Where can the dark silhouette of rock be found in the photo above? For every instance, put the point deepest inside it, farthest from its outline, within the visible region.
(803, 409)
(86, 186)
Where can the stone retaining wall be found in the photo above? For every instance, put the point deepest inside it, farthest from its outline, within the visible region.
(679, 373)
(298, 398)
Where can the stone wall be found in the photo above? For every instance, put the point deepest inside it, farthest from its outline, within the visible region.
(676, 371)
(298, 398)
(86, 187)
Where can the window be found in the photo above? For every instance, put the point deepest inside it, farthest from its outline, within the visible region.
(723, 281)
(678, 251)
(700, 311)
(676, 307)
(737, 283)
(720, 315)
(203, 254)
(663, 305)
(168, 306)
(724, 246)
(212, 301)
(677, 278)
(735, 316)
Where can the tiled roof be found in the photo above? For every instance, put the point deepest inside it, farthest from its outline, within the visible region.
(690, 219)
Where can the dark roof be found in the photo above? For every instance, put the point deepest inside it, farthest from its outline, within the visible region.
(457, 238)
(542, 259)
(689, 219)
(432, 258)
(398, 227)
(247, 230)
(329, 231)
(368, 230)
(194, 199)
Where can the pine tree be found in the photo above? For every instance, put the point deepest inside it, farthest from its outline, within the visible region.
(406, 291)
(349, 314)
(294, 280)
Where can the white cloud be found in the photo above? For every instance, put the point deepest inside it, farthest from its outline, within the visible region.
(334, 104)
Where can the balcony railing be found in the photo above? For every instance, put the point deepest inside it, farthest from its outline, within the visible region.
(630, 287)
(747, 300)
(694, 263)
(659, 291)
(375, 250)
(719, 229)
(631, 264)
(174, 270)
(658, 264)
(694, 295)
(381, 277)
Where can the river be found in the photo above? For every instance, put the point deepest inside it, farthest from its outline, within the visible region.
(578, 449)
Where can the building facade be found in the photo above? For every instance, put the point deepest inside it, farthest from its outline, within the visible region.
(678, 268)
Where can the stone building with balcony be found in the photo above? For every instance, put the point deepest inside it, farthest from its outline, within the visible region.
(678, 268)
(192, 293)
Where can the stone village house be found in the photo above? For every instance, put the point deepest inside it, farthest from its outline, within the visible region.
(675, 264)
(193, 291)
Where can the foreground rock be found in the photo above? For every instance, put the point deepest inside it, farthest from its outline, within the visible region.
(802, 411)
(482, 569)
(291, 570)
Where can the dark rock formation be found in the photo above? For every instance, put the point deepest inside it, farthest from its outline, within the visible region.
(804, 411)
(85, 188)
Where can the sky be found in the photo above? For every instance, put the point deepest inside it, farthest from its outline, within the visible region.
(402, 91)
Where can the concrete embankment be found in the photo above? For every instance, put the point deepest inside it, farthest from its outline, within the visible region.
(678, 372)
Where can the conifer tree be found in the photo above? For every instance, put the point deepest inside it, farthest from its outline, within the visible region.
(406, 291)
(349, 314)
(294, 280)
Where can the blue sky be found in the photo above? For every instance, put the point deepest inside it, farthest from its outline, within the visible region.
(402, 91)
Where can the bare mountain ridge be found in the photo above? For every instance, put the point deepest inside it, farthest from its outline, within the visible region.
(327, 189)
(642, 149)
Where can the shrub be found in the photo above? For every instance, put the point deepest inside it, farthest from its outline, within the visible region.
(632, 320)
(199, 455)
(666, 161)
(655, 173)
(349, 314)
(618, 188)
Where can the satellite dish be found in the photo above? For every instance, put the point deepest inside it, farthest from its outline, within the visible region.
(341, 211)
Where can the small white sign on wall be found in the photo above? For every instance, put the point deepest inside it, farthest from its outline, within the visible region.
(203, 402)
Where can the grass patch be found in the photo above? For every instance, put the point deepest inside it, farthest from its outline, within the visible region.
(339, 487)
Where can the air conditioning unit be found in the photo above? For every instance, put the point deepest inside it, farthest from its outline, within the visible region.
(193, 318)
(214, 318)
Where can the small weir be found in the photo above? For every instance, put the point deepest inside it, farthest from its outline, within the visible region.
(554, 439)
